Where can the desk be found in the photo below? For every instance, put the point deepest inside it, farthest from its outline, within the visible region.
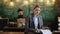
(13, 29)
(56, 32)
(11, 32)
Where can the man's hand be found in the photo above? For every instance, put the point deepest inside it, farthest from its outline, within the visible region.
(36, 30)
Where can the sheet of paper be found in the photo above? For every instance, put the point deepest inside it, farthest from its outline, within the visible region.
(46, 31)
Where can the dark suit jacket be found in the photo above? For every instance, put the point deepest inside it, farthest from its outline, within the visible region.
(19, 16)
(30, 22)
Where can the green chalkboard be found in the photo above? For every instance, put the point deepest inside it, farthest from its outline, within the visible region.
(47, 12)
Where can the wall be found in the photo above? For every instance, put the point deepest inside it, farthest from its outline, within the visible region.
(47, 11)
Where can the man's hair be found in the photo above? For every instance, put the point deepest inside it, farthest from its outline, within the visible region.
(36, 7)
(19, 10)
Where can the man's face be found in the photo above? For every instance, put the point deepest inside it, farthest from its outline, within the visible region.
(36, 10)
(20, 13)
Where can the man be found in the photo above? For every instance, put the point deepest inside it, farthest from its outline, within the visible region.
(34, 21)
(20, 15)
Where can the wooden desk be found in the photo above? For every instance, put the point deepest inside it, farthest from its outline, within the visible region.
(56, 32)
(13, 29)
(11, 32)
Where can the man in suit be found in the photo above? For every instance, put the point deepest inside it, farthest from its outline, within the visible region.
(20, 15)
(34, 21)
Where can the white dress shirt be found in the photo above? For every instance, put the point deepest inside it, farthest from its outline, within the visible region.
(35, 18)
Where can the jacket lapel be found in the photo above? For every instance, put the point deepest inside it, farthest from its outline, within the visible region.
(39, 22)
(31, 21)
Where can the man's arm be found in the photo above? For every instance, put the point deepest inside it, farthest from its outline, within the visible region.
(40, 22)
(41, 19)
(27, 23)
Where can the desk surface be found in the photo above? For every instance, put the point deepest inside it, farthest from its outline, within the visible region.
(13, 29)
(11, 32)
